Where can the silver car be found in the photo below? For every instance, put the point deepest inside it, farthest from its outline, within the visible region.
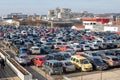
(68, 66)
(22, 59)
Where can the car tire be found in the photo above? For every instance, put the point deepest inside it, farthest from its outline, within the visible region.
(82, 49)
(64, 71)
(80, 69)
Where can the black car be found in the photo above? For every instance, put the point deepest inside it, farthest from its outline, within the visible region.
(98, 63)
(54, 56)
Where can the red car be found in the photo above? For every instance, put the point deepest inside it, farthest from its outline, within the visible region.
(38, 60)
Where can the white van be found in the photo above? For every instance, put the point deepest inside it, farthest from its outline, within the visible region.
(35, 50)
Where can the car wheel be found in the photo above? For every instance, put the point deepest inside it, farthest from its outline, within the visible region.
(80, 69)
(82, 49)
(64, 70)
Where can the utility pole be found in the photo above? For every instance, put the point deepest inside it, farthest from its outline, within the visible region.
(81, 73)
(101, 74)
(60, 75)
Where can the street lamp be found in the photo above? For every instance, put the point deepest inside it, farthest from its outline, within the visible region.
(101, 73)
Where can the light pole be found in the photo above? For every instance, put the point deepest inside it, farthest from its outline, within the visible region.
(60, 75)
(101, 73)
(81, 72)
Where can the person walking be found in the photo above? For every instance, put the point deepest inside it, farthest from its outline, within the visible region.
(2, 63)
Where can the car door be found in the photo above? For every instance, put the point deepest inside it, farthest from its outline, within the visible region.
(77, 63)
(48, 66)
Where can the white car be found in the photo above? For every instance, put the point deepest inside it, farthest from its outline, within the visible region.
(77, 47)
(85, 47)
(94, 46)
(68, 66)
(22, 59)
(35, 50)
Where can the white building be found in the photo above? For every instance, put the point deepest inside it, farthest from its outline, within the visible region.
(90, 24)
(111, 28)
(11, 22)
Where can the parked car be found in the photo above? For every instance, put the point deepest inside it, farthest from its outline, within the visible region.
(35, 50)
(45, 50)
(112, 61)
(98, 63)
(38, 60)
(66, 55)
(54, 56)
(23, 50)
(53, 67)
(22, 59)
(81, 63)
(85, 47)
(82, 54)
(68, 66)
(77, 47)
(91, 54)
(102, 45)
(94, 47)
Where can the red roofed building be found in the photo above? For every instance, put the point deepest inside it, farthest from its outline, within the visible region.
(101, 20)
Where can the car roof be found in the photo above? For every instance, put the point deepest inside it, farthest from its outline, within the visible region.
(64, 53)
(22, 54)
(23, 48)
(52, 61)
(65, 61)
(34, 47)
(95, 57)
(111, 56)
(54, 54)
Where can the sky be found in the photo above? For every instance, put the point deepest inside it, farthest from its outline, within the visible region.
(42, 6)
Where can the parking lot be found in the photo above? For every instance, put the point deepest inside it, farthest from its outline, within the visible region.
(55, 46)
(94, 75)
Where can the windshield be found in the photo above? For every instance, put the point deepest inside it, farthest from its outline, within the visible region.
(59, 57)
(59, 44)
(84, 61)
(98, 61)
(94, 54)
(68, 63)
(24, 50)
(57, 64)
(36, 48)
(115, 59)
(23, 57)
(78, 46)
(48, 43)
(66, 55)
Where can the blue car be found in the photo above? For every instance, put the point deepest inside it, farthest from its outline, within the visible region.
(45, 50)
(23, 50)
